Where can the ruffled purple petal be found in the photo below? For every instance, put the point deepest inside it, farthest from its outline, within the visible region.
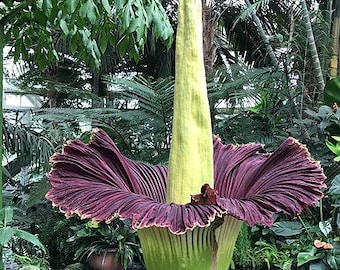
(96, 181)
(252, 186)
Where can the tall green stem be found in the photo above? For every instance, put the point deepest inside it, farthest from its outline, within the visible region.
(191, 161)
(191, 155)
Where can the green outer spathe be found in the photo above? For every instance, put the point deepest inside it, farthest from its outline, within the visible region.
(167, 251)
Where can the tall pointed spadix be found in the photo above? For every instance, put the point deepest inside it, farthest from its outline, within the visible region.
(191, 155)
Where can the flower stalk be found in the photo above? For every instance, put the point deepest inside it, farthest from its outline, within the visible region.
(191, 154)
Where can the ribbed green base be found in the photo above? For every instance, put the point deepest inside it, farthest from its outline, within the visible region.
(208, 248)
(226, 236)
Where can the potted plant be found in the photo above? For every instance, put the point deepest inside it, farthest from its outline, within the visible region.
(105, 246)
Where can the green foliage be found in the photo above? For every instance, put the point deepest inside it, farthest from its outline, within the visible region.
(8, 232)
(54, 230)
(88, 26)
(335, 148)
(331, 92)
(29, 146)
(92, 237)
(148, 122)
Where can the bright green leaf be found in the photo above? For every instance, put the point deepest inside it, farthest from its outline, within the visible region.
(47, 7)
(107, 6)
(39, 4)
(29, 237)
(89, 10)
(332, 147)
(71, 6)
(336, 138)
(64, 28)
(6, 234)
(83, 9)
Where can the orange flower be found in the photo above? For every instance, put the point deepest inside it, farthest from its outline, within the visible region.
(328, 246)
(324, 245)
(319, 244)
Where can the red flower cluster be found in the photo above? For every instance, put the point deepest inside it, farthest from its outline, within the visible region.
(335, 106)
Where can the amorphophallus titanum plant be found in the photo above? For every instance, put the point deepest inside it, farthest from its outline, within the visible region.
(188, 215)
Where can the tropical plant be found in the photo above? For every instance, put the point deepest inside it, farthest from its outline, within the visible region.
(92, 237)
(87, 26)
(11, 233)
(206, 229)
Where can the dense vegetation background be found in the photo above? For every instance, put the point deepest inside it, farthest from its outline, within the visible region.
(272, 71)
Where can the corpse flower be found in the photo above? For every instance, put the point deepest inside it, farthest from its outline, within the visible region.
(96, 181)
(188, 215)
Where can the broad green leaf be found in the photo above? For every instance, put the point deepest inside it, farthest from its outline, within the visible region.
(6, 234)
(71, 6)
(286, 228)
(83, 9)
(107, 6)
(332, 91)
(64, 28)
(123, 44)
(325, 227)
(47, 7)
(336, 138)
(89, 10)
(305, 257)
(39, 4)
(103, 41)
(334, 189)
(29, 237)
(331, 261)
(332, 147)
(74, 44)
(40, 17)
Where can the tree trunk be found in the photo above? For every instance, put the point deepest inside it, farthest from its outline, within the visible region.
(2, 45)
(2, 41)
(209, 48)
(264, 36)
(335, 41)
(312, 46)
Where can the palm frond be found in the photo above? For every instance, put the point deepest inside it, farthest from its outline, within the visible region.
(24, 147)
(236, 83)
(154, 97)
